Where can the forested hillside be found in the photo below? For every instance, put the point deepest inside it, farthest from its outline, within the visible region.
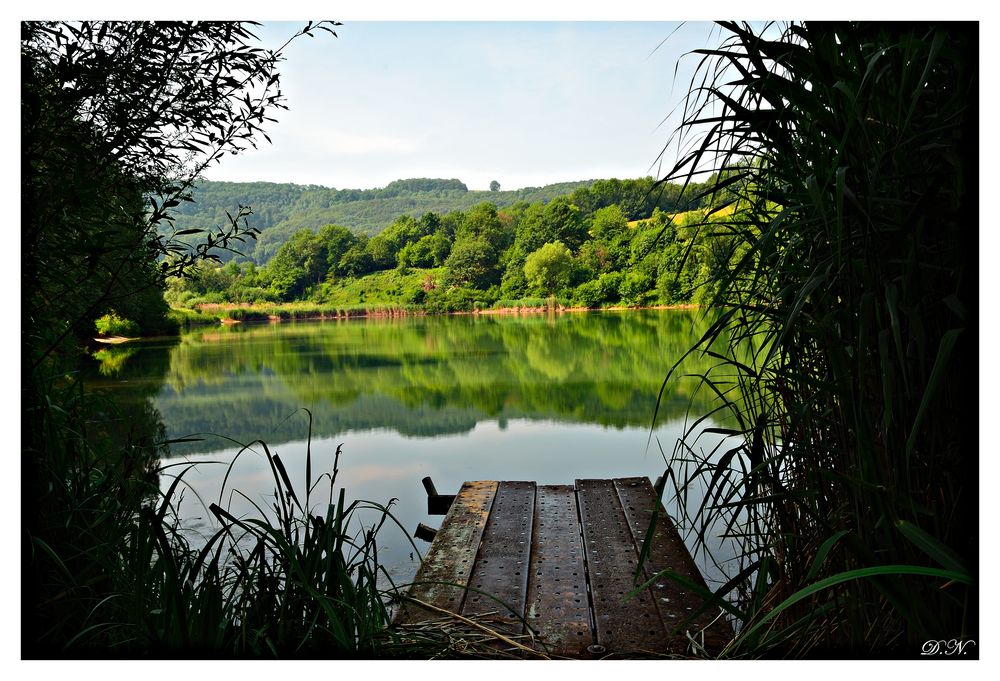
(631, 242)
(279, 210)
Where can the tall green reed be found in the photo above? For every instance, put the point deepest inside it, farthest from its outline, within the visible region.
(846, 474)
(299, 578)
(114, 572)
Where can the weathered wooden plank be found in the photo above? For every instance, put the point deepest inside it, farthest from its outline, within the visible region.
(558, 606)
(668, 552)
(622, 626)
(444, 573)
(501, 567)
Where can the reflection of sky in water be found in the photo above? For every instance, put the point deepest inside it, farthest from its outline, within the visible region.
(380, 465)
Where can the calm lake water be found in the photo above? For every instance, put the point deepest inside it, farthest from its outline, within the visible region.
(549, 398)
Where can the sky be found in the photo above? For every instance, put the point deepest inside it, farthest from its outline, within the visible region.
(522, 103)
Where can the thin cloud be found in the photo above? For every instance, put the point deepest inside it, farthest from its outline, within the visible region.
(359, 143)
(517, 102)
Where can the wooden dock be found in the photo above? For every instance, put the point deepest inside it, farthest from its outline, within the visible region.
(552, 565)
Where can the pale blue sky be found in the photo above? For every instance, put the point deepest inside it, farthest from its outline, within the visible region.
(524, 103)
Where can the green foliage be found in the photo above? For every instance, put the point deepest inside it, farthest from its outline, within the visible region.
(356, 260)
(429, 251)
(280, 210)
(548, 269)
(609, 222)
(664, 262)
(454, 299)
(183, 317)
(473, 261)
(105, 174)
(297, 264)
(516, 303)
(634, 286)
(845, 150)
(513, 283)
(558, 220)
(241, 314)
(485, 247)
(385, 246)
(588, 294)
(393, 287)
(336, 241)
(482, 221)
(113, 325)
(117, 120)
(604, 289)
(422, 184)
(213, 201)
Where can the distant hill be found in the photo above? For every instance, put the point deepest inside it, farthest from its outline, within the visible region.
(279, 210)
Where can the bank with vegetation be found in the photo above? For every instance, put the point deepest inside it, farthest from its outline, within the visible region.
(609, 244)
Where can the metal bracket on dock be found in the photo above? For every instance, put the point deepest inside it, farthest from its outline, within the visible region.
(437, 504)
(425, 532)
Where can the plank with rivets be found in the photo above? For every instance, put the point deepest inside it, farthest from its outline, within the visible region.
(624, 626)
(558, 605)
(444, 573)
(500, 575)
(668, 552)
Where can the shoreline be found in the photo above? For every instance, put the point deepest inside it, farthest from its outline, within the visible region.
(265, 315)
(559, 309)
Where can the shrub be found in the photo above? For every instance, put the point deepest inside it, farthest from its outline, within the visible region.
(258, 294)
(454, 299)
(633, 285)
(113, 325)
(588, 294)
(610, 285)
(549, 268)
(213, 298)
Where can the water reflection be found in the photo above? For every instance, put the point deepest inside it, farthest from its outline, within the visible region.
(121, 417)
(382, 465)
(427, 377)
(550, 399)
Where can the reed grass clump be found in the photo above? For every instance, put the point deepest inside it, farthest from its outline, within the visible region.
(844, 158)
(242, 314)
(184, 317)
(116, 574)
(517, 303)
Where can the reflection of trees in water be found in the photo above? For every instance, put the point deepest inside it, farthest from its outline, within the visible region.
(429, 376)
(121, 415)
(112, 359)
